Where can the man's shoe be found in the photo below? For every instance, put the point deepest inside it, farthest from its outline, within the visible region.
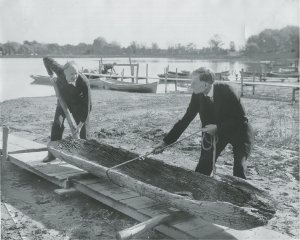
(48, 159)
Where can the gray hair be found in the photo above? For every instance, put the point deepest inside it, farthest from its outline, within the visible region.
(69, 64)
(205, 74)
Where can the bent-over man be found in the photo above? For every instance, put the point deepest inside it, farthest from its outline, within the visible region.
(74, 87)
(109, 66)
(221, 112)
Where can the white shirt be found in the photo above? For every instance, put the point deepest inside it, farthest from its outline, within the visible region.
(211, 93)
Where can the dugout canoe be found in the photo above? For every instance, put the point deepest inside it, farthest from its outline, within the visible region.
(110, 84)
(223, 200)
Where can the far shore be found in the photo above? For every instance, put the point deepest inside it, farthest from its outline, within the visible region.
(213, 57)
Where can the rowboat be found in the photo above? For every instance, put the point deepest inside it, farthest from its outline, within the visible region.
(111, 84)
(223, 199)
(283, 74)
(39, 79)
(45, 80)
(249, 74)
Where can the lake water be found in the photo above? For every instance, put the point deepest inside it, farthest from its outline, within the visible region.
(16, 83)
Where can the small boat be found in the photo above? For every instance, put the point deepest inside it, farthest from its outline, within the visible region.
(39, 79)
(249, 74)
(225, 200)
(283, 74)
(92, 75)
(45, 80)
(111, 84)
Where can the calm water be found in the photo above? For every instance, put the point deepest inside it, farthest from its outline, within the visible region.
(15, 80)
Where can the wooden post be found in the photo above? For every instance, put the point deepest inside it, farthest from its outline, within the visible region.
(166, 80)
(64, 106)
(253, 87)
(242, 80)
(122, 75)
(4, 146)
(147, 73)
(131, 69)
(137, 73)
(176, 76)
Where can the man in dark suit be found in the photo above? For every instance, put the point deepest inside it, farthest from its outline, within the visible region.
(221, 112)
(75, 90)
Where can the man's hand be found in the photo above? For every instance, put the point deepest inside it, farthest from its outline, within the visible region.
(158, 147)
(210, 129)
(52, 78)
(78, 128)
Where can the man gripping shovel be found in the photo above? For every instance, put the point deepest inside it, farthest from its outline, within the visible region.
(74, 101)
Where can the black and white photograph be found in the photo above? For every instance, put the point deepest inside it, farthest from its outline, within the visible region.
(149, 119)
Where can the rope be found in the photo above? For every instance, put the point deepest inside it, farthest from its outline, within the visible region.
(213, 142)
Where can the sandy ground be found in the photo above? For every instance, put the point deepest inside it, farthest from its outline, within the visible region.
(137, 122)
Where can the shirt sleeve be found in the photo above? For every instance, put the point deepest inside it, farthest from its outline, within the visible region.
(183, 123)
(52, 66)
(236, 115)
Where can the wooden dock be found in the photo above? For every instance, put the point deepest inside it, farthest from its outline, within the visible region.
(28, 155)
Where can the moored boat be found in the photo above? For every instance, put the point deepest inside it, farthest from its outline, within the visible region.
(223, 199)
(249, 74)
(45, 80)
(283, 74)
(39, 79)
(111, 84)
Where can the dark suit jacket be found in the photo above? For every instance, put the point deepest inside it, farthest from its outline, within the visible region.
(229, 115)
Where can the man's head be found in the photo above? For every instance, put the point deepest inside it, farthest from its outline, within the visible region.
(202, 80)
(71, 71)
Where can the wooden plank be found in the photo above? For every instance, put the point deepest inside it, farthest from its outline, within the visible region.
(257, 233)
(14, 159)
(168, 230)
(90, 181)
(156, 210)
(63, 191)
(23, 144)
(117, 193)
(76, 175)
(207, 231)
(140, 202)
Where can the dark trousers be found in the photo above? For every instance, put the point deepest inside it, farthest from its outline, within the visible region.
(58, 125)
(205, 165)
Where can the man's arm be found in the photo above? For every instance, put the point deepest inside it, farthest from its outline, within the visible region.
(85, 107)
(182, 124)
(52, 66)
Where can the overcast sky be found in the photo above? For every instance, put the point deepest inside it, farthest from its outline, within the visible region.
(166, 22)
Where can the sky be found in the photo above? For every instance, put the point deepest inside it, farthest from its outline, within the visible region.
(165, 22)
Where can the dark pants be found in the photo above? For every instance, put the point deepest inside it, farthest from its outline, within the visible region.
(58, 125)
(205, 165)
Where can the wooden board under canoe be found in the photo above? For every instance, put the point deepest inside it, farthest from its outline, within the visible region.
(223, 200)
(111, 84)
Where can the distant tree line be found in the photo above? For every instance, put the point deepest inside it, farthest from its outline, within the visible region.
(274, 40)
(269, 40)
